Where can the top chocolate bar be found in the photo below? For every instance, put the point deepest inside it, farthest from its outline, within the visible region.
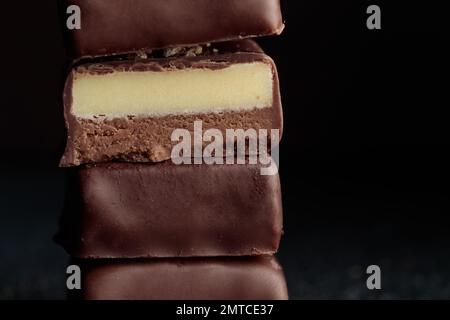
(109, 27)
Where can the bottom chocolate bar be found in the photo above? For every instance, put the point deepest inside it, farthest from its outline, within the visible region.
(252, 278)
(121, 210)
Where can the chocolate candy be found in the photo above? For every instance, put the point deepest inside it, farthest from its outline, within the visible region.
(120, 210)
(257, 278)
(128, 110)
(109, 27)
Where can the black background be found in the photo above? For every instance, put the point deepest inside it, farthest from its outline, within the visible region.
(364, 159)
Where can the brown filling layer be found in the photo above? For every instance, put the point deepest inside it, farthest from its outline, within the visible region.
(136, 139)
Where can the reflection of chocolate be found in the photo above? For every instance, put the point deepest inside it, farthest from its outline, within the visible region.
(122, 210)
(127, 110)
(257, 278)
(117, 26)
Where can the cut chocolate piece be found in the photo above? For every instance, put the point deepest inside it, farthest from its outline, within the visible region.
(128, 110)
(257, 278)
(121, 210)
(109, 27)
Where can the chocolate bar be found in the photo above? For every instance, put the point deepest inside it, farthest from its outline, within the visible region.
(257, 278)
(120, 210)
(108, 27)
(127, 110)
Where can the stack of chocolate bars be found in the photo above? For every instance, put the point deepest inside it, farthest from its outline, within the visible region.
(145, 74)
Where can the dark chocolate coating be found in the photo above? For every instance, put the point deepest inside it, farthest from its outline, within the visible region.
(254, 278)
(81, 150)
(110, 27)
(120, 210)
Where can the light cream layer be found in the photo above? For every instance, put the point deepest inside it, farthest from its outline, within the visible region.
(238, 87)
